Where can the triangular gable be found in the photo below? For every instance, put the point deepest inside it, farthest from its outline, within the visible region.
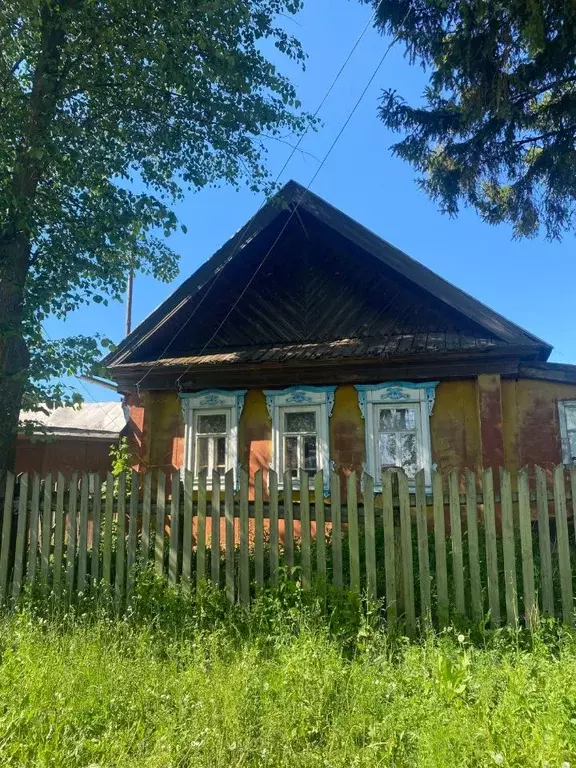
(253, 264)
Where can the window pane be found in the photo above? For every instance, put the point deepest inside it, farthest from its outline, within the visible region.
(202, 453)
(409, 454)
(388, 455)
(570, 416)
(397, 418)
(300, 422)
(572, 444)
(291, 454)
(310, 464)
(211, 424)
(221, 455)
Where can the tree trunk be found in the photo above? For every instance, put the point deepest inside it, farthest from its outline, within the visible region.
(14, 358)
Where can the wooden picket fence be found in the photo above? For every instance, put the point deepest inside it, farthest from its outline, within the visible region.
(496, 546)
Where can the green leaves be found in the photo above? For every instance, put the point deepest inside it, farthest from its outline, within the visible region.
(133, 105)
(497, 127)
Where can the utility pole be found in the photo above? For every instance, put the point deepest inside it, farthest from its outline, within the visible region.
(129, 302)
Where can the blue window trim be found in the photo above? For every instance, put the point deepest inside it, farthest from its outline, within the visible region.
(428, 386)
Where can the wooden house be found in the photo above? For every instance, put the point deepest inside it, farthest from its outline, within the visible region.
(308, 341)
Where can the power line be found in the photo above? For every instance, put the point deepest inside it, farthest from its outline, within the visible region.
(265, 200)
(296, 206)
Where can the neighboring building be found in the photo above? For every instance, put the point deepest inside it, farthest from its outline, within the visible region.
(306, 340)
(71, 439)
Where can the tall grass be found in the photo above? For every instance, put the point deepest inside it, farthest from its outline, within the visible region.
(299, 680)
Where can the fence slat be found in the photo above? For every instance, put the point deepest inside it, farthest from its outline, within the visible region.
(146, 513)
(456, 542)
(119, 580)
(229, 514)
(305, 528)
(407, 556)
(108, 525)
(546, 584)
(573, 490)
(6, 533)
(288, 521)
(274, 545)
(440, 551)
(336, 516)
(215, 530)
(59, 533)
(46, 532)
(160, 522)
(353, 537)
(491, 550)
(319, 515)
(525, 522)
(473, 548)
(72, 521)
(259, 528)
(83, 534)
(201, 529)
(96, 530)
(132, 529)
(563, 545)
(174, 527)
(188, 524)
(19, 553)
(423, 555)
(370, 537)
(389, 548)
(244, 586)
(508, 548)
(34, 519)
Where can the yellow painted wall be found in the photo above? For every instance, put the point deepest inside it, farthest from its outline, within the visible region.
(529, 416)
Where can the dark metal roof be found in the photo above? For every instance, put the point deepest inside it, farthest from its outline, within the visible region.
(428, 322)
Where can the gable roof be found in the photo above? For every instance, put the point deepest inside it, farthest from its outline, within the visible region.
(481, 324)
(98, 420)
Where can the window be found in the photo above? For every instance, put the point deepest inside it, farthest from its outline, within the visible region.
(300, 430)
(397, 417)
(567, 413)
(211, 431)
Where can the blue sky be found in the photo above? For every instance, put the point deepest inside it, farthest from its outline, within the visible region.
(530, 282)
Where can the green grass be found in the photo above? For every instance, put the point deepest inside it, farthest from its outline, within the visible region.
(300, 680)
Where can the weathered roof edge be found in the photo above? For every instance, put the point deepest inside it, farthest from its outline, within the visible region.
(388, 254)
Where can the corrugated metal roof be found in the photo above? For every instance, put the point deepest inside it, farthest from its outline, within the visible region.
(104, 419)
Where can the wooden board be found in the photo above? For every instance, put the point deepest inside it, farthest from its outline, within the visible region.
(336, 516)
(32, 561)
(132, 529)
(229, 516)
(305, 528)
(201, 531)
(259, 528)
(320, 518)
(525, 524)
(59, 533)
(491, 549)
(120, 577)
(83, 534)
(244, 586)
(160, 523)
(370, 537)
(108, 526)
(146, 512)
(563, 546)
(47, 518)
(72, 525)
(6, 535)
(173, 559)
(20, 549)
(473, 548)
(546, 585)
(96, 530)
(353, 535)
(389, 548)
(187, 529)
(456, 542)
(288, 521)
(274, 542)
(407, 557)
(508, 548)
(215, 530)
(423, 555)
(440, 551)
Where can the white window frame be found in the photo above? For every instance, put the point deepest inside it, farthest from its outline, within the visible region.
(212, 402)
(320, 400)
(563, 406)
(419, 396)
